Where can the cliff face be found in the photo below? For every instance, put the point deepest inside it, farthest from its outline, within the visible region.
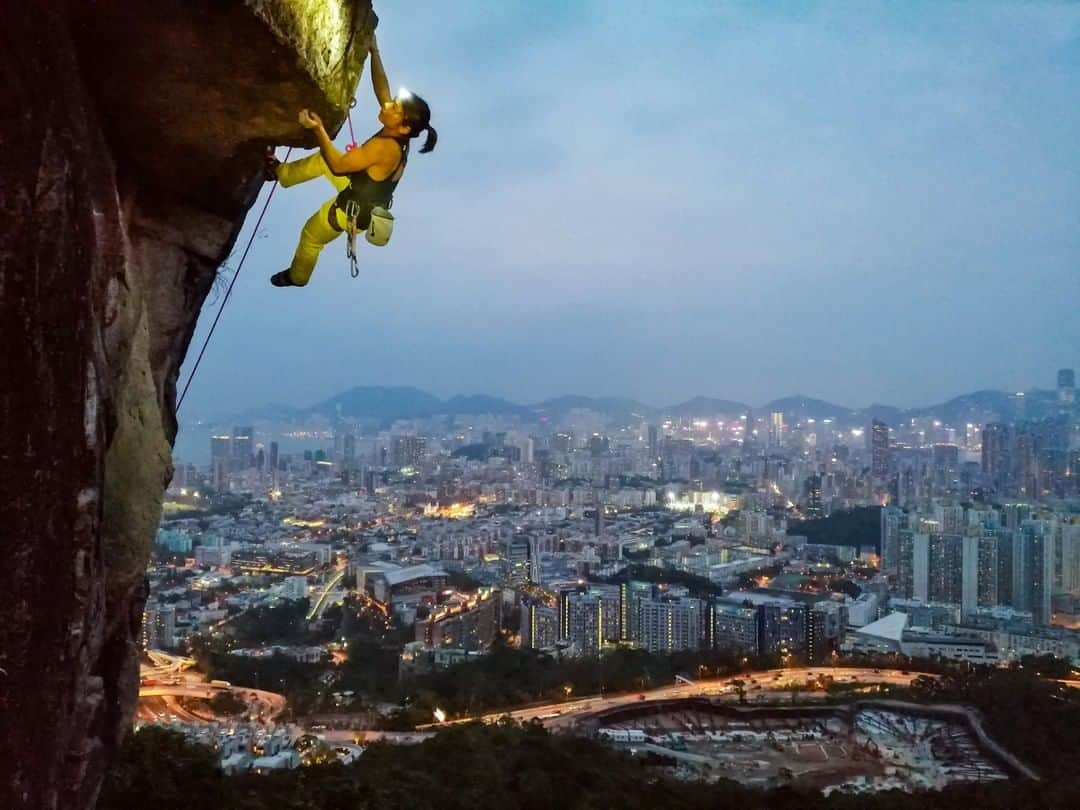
(130, 151)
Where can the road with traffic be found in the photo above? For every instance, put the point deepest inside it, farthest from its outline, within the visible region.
(565, 713)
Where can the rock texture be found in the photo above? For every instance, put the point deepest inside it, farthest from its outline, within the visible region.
(131, 137)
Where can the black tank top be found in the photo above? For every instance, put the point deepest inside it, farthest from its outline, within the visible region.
(366, 192)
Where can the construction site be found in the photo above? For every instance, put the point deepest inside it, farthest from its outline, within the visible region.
(861, 747)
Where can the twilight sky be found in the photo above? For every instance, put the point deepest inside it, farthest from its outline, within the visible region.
(856, 201)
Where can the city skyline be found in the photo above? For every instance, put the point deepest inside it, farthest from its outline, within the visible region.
(843, 196)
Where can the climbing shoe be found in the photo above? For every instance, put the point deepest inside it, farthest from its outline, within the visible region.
(283, 279)
(270, 165)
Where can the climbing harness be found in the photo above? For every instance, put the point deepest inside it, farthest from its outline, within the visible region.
(380, 224)
(229, 289)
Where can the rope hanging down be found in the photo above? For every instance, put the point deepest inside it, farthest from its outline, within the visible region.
(228, 291)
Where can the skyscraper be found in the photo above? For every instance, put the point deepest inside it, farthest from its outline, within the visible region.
(893, 520)
(243, 445)
(1033, 568)
(879, 449)
(349, 451)
(777, 429)
(945, 568)
(407, 451)
(812, 497)
(1066, 380)
(996, 463)
(220, 449)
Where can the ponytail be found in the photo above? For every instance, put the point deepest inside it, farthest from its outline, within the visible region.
(431, 139)
(418, 119)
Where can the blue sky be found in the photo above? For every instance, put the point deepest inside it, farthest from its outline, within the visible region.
(858, 201)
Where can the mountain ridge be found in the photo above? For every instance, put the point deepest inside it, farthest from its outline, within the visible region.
(389, 403)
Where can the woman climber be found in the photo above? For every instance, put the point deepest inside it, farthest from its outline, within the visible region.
(365, 176)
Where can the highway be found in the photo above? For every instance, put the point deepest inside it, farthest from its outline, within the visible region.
(323, 600)
(565, 714)
(171, 681)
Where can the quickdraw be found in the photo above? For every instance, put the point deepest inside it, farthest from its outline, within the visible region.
(352, 214)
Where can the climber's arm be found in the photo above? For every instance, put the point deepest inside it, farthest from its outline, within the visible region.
(356, 159)
(335, 160)
(379, 83)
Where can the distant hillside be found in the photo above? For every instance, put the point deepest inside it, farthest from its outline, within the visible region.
(386, 404)
(801, 407)
(705, 407)
(482, 404)
(377, 402)
(620, 408)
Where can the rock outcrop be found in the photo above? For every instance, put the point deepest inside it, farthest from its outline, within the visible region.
(131, 141)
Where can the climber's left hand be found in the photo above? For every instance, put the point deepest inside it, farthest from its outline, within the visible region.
(309, 120)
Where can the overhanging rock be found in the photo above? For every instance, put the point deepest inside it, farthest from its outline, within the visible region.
(130, 151)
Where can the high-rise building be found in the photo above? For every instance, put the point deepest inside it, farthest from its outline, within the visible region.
(630, 594)
(812, 504)
(243, 447)
(273, 456)
(159, 625)
(1024, 475)
(589, 617)
(670, 623)
(654, 441)
(539, 625)
(879, 449)
(349, 451)
(220, 449)
(946, 464)
(913, 564)
(1033, 569)
(945, 568)
(893, 520)
(777, 429)
(1066, 380)
(734, 626)
(996, 463)
(407, 451)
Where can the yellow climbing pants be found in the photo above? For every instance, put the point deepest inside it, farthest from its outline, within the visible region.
(317, 232)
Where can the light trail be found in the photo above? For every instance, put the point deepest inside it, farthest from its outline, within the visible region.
(320, 603)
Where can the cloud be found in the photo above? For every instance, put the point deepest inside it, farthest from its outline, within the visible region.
(700, 186)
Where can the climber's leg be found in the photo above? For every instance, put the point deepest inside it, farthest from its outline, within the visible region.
(317, 233)
(308, 168)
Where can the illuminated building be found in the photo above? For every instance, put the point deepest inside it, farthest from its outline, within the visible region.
(243, 447)
(630, 593)
(879, 449)
(733, 626)
(159, 625)
(892, 521)
(996, 461)
(669, 623)
(812, 497)
(465, 622)
(407, 451)
(589, 617)
(220, 448)
(777, 429)
(539, 625)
